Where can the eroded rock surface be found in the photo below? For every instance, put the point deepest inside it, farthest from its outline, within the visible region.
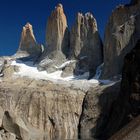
(85, 44)
(28, 44)
(108, 110)
(121, 35)
(39, 110)
(57, 40)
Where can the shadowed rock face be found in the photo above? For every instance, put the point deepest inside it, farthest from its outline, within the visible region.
(121, 35)
(85, 43)
(28, 45)
(135, 2)
(107, 109)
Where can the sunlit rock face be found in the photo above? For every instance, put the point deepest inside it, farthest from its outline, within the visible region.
(85, 43)
(57, 31)
(39, 110)
(121, 35)
(28, 44)
(57, 40)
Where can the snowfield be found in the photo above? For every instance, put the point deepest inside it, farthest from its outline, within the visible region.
(27, 69)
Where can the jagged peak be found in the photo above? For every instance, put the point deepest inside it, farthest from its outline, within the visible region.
(28, 25)
(86, 15)
(59, 8)
(59, 5)
(89, 15)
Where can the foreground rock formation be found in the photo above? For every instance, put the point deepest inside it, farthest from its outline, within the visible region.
(106, 111)
(57, 38)
(85, 44)
(39, 110)
(121, 35)
(35, 107)
(28, 44)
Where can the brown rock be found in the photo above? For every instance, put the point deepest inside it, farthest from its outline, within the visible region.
(57, 40)
(48, 110)
(28, 45)
(57, 30)
(121, 35)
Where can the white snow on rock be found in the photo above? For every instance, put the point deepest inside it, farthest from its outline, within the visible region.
(65, 64)
(29, 70)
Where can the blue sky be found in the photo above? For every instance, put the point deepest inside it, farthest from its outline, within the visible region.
(15, 13)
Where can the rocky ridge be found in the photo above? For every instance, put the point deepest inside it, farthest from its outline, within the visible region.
(121, 35)
(85, 44)
(40, 109)
(79, 46)
(28, 46)
(57, 40)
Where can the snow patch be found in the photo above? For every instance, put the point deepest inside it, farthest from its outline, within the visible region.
(65, 64)
(27, 69)
(30, 70)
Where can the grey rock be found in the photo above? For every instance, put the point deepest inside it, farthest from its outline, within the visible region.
(2, 63)
(85, 44)
(9, 124)
(96, 106)
(69, 69)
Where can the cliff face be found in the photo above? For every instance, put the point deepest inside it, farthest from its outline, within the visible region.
(121, 35)
(39, 110)
(57, 31)
(107, 110)
(85, 44)
(34, 108)
(28, 44)
(57, 40)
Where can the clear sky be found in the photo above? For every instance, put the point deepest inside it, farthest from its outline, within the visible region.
(15, 13)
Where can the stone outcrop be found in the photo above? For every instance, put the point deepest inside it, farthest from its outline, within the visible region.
(57, 31)
(108, 110)
(85, 44)
(39, 110)
(2, 62)
(96, 106)
(129, 132)
(57, 40)
(121, 35)
(28, 45)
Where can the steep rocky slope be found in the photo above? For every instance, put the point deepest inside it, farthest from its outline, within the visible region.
(37, 110)
(36, 105)
(121, 35)
(57, 40)
(107, 110)
(82, 46)
(28, 45)
(85, 44)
